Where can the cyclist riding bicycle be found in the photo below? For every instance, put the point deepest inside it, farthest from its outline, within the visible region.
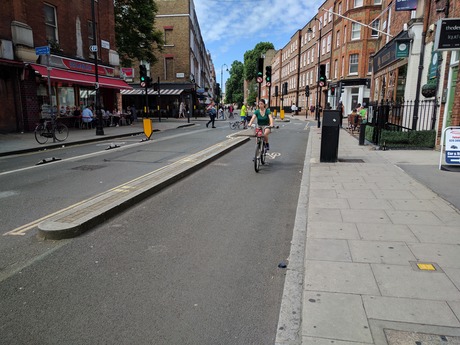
(264, 118)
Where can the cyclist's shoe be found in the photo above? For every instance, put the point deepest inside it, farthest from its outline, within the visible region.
(267, 146)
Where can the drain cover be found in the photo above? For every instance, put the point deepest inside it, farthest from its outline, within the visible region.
(89, 167)
(350, 160)
(411, 338)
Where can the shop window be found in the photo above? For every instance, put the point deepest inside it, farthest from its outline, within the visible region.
(51, 24)
(66, 97)
(353, 64)
(355, 31)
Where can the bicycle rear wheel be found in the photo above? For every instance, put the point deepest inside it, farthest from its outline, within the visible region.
(61, 132)
(39, 134)
(257, 156)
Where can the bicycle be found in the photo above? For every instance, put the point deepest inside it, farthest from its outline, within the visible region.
(49, 129)
(261, 150)
(237, 124)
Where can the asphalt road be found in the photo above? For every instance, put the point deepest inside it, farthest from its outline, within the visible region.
(195, 264)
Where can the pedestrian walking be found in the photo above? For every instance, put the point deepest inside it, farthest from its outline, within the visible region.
(182, 109)
(212, 112)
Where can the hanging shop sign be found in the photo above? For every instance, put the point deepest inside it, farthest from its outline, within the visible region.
(402, 49)
(447, 34)
(406, 5)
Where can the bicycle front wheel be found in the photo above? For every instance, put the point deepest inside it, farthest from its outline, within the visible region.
(40, 130)
(61, 132)
(257, 156)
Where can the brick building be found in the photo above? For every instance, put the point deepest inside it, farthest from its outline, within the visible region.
(185, 69)
(67, 29)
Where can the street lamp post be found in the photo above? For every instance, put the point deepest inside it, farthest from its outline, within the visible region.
(318, 87)
(221, 82)
(99, 128)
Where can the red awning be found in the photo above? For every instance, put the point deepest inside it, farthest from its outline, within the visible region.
(80, 78)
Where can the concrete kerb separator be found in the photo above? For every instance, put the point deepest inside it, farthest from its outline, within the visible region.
(89, 213)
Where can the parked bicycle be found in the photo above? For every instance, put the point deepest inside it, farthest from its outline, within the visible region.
(47, 129)
(237, 124)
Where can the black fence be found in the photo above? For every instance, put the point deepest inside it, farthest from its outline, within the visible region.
(404, 117)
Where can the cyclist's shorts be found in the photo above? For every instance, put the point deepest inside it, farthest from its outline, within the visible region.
(242, 118)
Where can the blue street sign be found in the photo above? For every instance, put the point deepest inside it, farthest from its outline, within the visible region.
(45, 50)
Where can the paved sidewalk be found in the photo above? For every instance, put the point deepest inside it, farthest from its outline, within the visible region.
(13, 143)
(369, 225)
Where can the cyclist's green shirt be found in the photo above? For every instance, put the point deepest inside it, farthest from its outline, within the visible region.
(262, 120)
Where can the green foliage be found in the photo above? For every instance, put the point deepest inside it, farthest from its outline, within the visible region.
(234, 87)
(253, 88)
(251, 59)
(134, 29)
(409, 139)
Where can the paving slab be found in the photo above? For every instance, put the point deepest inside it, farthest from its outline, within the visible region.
(335, 316)
(333, 230)
(410, 310)
(386, 232)
(341, 277)
(445, 255)
(328, 250)
(404, 281)
(396, 253)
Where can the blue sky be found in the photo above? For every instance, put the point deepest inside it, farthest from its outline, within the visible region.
(232, 27)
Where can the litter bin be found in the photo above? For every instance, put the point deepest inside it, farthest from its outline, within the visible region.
(362, 132)
(330, 136)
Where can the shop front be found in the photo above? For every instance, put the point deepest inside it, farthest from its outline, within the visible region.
(72, 85)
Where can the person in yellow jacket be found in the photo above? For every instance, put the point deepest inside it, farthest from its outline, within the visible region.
(243, 114)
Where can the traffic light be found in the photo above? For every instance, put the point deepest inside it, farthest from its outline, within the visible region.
(148, 82)
(276, 91)
(332, 90)
(268, 74)
(285, 88)
(142, 73)
(322, 75)
(307, 90)
(260, 69)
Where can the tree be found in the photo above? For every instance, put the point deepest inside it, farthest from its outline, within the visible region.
(136, 37)
(234, 87)
(251, 58)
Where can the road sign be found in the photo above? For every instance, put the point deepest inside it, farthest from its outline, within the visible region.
(321, 83)
(259, 79)
(45, 50)
(143, 84)
(93, 48)
(268, 84)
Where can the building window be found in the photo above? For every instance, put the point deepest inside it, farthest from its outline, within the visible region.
(336, 67)
(358, 3)
(342, 67)
(355, 31)
(323, 49)
(338, 38)
(344, 34)
(375, 25)
(168, 36)
(330, 15)
(377, 2)
(90, 32)
(339, 8)
(169, 68)
(51, 24)
(329, 39)
(353, 65)
(369, 68)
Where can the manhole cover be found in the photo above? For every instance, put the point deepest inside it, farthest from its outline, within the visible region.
(350, 160)
(412, 338)
(89, 167)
